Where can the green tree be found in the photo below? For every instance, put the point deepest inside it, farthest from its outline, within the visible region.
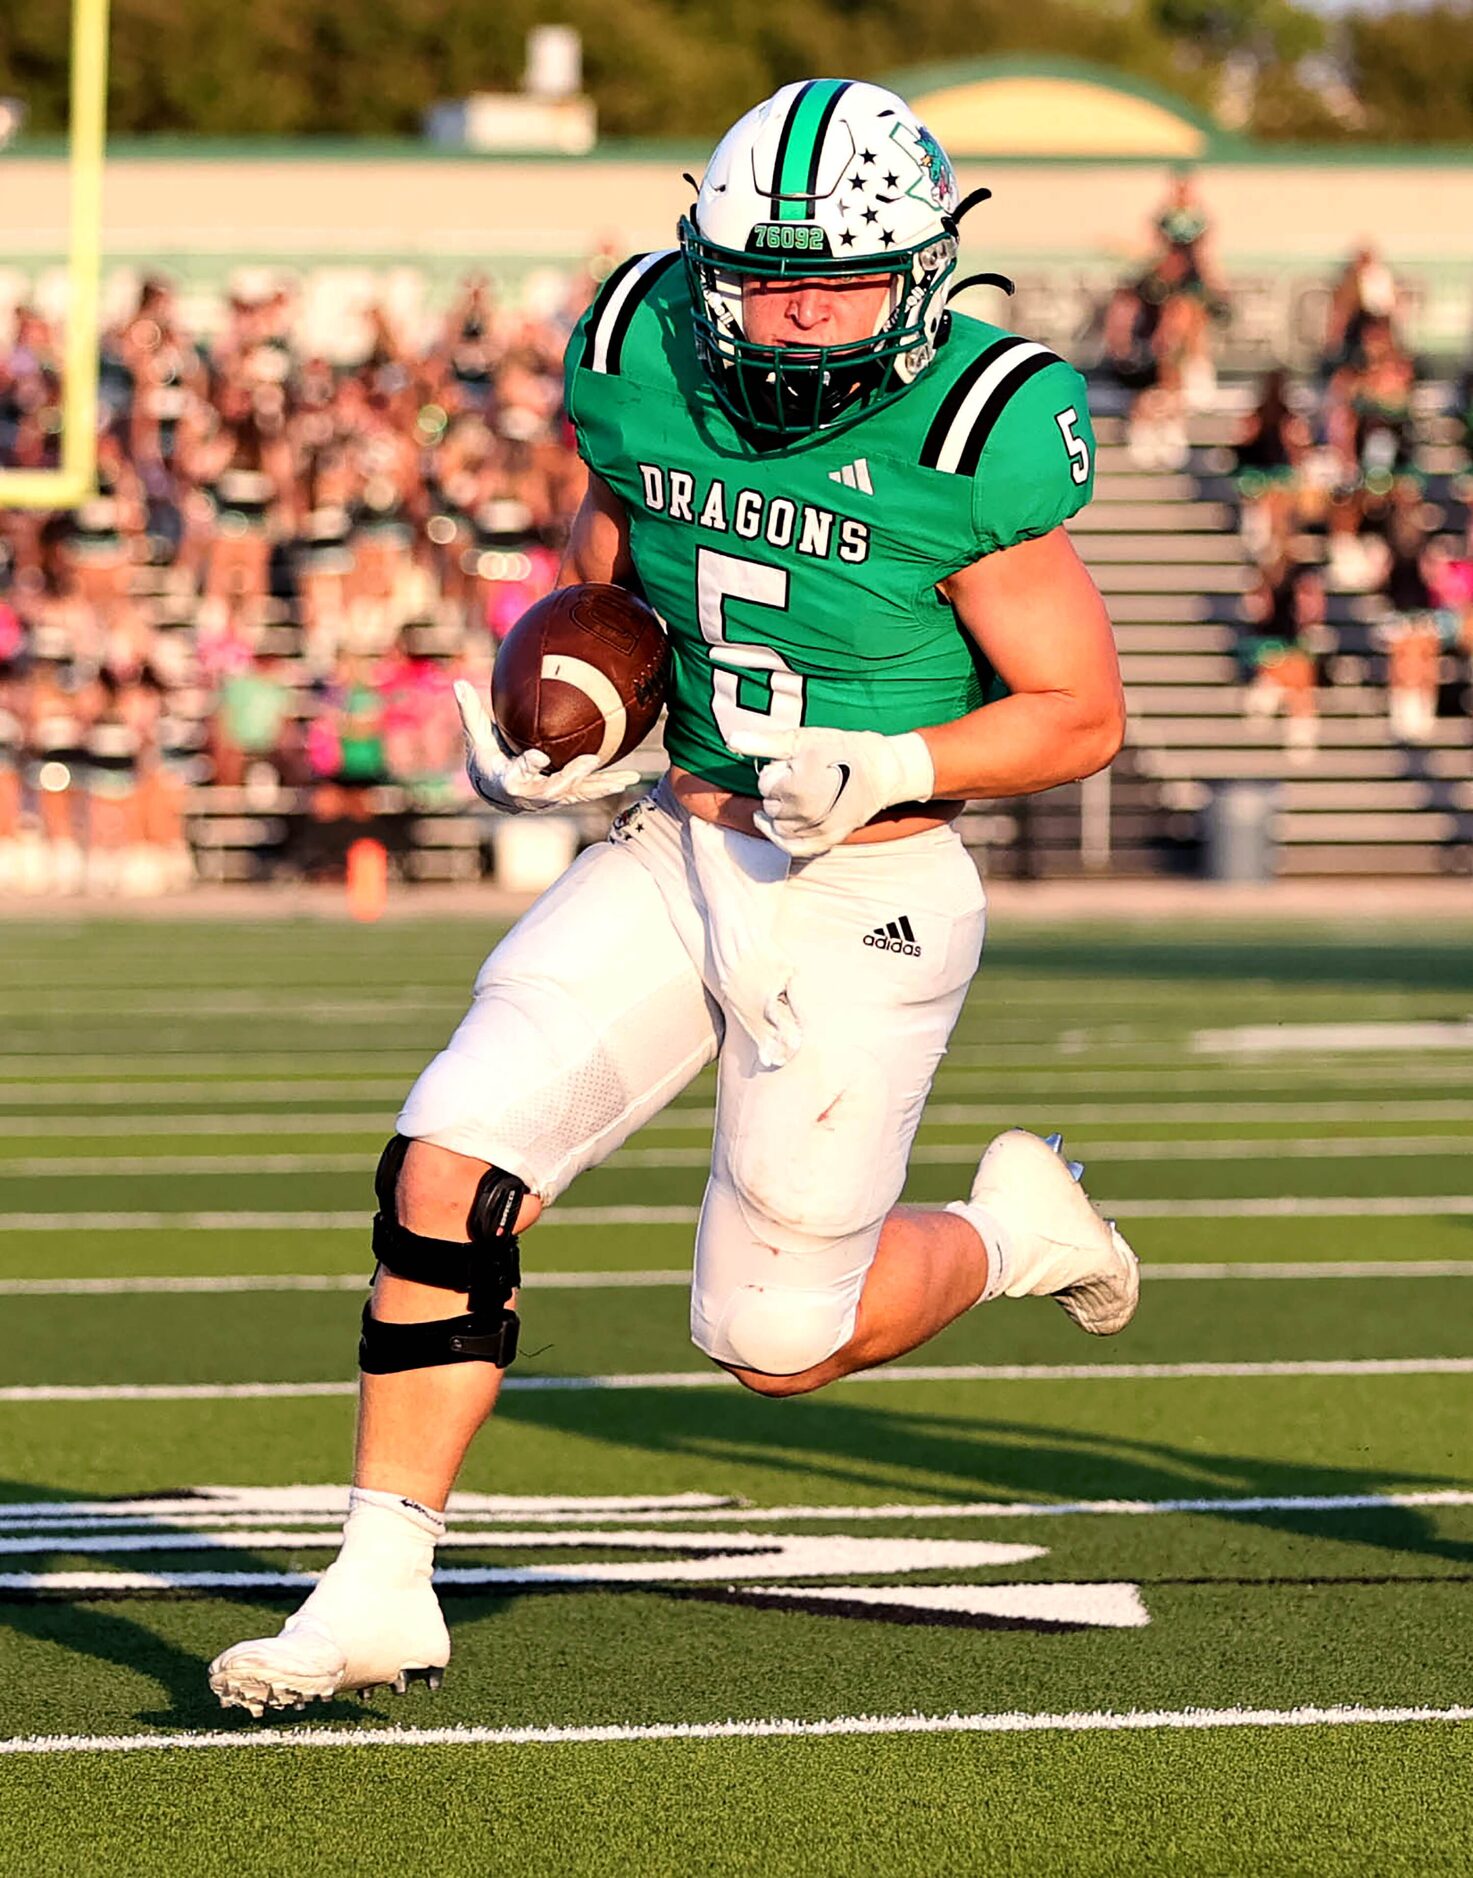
(686, 68)
(1413, 72)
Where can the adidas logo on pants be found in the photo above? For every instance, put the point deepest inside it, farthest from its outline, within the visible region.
(895, 936)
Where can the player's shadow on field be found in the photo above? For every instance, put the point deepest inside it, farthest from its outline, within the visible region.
(829, 1448)
(117, 1632)
(919, 1457)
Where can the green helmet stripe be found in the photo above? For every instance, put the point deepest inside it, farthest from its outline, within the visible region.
(800, 148)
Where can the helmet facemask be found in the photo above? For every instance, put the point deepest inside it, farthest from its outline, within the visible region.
(792, 390)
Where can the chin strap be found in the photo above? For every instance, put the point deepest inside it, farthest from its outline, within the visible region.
(968, 202)
(982, 280)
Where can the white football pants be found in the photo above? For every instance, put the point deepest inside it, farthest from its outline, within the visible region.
(595, 1010)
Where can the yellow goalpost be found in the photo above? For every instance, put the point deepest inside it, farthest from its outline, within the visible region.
(75, 480)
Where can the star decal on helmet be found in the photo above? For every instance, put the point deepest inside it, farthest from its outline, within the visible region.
(856, 181)
(866, 156)
(872, 215)
(892, 181)
(846, 240)
(886, 238)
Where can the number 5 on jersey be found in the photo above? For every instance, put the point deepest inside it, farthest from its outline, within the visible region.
(723, 577)
(1078, 449)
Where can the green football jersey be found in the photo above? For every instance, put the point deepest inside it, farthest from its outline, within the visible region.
(799, 582)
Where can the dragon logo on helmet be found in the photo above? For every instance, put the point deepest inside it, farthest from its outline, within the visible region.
(936, 183)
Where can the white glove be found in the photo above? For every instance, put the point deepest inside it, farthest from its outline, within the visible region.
(823, 784)
(517, 784)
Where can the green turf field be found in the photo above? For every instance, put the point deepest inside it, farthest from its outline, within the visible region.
(1196, 1600)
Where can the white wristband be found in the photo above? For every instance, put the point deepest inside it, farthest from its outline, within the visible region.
(915, 767)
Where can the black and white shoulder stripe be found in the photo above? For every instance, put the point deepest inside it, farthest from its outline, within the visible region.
(617, 303)
(966, 415)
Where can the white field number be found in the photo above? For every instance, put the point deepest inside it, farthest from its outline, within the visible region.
(1078, 449)
(723, 577)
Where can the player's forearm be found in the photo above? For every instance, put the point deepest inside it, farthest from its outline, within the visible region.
(1024, 743)
(598, 543)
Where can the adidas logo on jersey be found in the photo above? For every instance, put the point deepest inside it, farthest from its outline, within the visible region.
(895, 936)
(854, 475)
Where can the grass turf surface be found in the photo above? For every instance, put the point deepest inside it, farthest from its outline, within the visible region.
(1311, 1802)
(317, 1030)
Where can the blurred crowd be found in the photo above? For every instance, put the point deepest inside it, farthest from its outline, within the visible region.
(1362, 557)
(1354, 505)
(285, 569)
(1157, 335)
(291, 560)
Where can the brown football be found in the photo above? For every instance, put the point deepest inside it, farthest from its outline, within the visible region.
(582, 673)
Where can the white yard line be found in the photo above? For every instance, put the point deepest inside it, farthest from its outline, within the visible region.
(1371, 1108)
(1002, 1081)
(374, 1123)
(101, 1127)
(1008, 1109)
(1146, 1079)
(718, 1379)
(125, 1166)
(162, 1065)
(355, 1220)
(1072, 1509)
(1005, 1110)
(288, 1506)
(321, 1281)
(1136, 1052)
(1154, 1273)
(143, 1093)
(1272, 1148)
(925, 1154)
(1016, 1722)
(964, 1154)
(273, 1506)
(1382, 1034)
(1330, 1206)
(1311, 1269)
(295, 1001)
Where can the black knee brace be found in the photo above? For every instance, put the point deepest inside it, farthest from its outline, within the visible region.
(487, 1267)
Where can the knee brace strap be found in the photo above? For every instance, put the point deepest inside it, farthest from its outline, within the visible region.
(385, 1349)
(487, 1267)
(488, 1260)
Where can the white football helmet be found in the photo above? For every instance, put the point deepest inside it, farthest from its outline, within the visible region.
(829, 177)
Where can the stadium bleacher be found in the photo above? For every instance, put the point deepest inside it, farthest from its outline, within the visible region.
(1165, 546)
(1165, 550)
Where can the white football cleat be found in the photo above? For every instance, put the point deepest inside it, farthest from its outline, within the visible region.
(1056, 1245)
(351, 1635)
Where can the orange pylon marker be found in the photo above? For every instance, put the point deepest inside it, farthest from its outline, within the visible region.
(368, 879)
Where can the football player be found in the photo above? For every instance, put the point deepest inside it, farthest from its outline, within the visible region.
(848, 504)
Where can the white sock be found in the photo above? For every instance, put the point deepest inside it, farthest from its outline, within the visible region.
(993, 1234)
(390, 1535)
